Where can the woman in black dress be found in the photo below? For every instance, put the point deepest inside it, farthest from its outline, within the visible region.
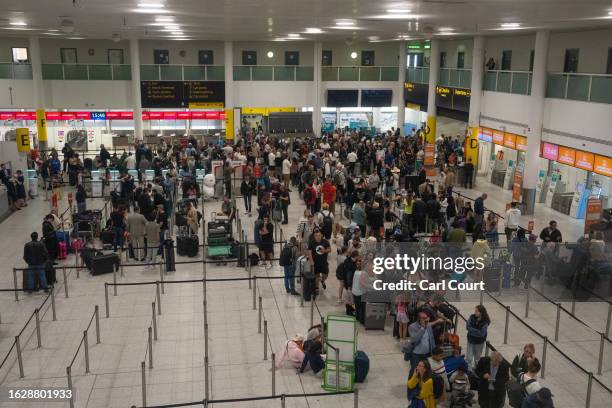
(266, 247)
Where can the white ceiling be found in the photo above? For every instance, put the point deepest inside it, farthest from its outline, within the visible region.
(242, 20)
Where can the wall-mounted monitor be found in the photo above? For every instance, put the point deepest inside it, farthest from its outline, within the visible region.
(376, 98)
(342, 98)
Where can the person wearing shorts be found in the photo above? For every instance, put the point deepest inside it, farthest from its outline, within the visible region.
(318, 250)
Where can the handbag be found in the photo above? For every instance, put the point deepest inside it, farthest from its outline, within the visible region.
(347, 296)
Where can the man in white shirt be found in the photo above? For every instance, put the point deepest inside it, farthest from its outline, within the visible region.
(512, 221)
(286, 172)
(352, 159)
(130, 162)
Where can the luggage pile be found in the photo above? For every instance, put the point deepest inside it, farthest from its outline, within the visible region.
(87, 223)
(219, 237)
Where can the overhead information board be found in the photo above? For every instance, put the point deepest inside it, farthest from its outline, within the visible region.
(180, 94)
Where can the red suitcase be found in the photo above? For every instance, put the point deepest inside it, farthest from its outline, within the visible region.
(62, 250)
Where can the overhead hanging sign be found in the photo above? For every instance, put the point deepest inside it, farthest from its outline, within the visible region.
(182, 94)
(22, 137)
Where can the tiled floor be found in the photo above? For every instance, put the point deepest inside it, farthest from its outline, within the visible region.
(237, 368)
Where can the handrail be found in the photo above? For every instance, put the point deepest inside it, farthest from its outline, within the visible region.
(509, 71)
(580, 74)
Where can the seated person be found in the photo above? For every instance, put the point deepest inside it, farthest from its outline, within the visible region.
(228, 209)
(292, 352)
(312, 350)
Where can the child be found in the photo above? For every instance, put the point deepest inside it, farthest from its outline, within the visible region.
(460, 387)
(77, 245)
(401, 310)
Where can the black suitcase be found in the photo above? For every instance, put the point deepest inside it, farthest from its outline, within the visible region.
(107, 237)
(169, 255)
(187, 245)
(491, 279)
(102, 264)
(375, 316)
(308, 289)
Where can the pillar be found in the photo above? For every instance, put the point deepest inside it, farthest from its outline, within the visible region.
(136, 99)
(401, 104)
(316, 109)
(536, 112)
(228, 63)
(38, 91)
(430, 130)
(471, 142)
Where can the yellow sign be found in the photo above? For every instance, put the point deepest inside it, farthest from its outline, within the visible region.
(206, 105)
(229, 124)
(41, 125)
(471, 145)
(430, 131)
(408, 85)
(23, 139)
(265, 111)
(442, 91)
(413, 106)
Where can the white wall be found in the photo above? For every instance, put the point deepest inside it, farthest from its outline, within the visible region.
(507, 108)
(384, 53)
(305, 48)
(50, 50)
(22, 92)
(88, 94)
(520, 45)
(453, 47)
(191, 49)
(273, 93)
(593, 46)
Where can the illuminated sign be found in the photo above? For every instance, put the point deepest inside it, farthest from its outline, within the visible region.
(521, 143)
(98, 115)
(584, 160)
(550, 151)
(567, 156)
(498, 137)
(510, 140)
(603, 165)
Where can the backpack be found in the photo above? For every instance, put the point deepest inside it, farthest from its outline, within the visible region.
(327, 224)
(438, 386)
(286, 255)
(517, 392)
(308, 195)
(277, 212)
(253, 259)
(56, 166)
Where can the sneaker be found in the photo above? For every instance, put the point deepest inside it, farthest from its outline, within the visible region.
(324, 285)
(294, 293)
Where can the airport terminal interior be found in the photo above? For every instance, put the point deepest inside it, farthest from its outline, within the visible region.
(200, 201)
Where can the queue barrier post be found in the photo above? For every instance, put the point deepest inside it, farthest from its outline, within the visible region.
(609, 319)
(601, 353)
(337, 369)
(283, 401)
(154, 320)
(115, 281)
(273, 374)
(121, 263)
(97, 314)
(38, 339)
(574, 300)
(150, 342)
(158, 295)
(302, 294)
(486, 351)
(15, 284)
(501, 281)
(589, 389)
(65, 281)
(206, 378)
(312, 301)
(544, 348)
(52, 294)
(76, 263)
(143, 383)
(260, 316)
(19, 357)
(557, 321)
(248, 261)
(356, 397)
(106, 298)
(481, 297)
(254, 292)
(69, 379)
(86, 349)
(265, 340)
(507, 324)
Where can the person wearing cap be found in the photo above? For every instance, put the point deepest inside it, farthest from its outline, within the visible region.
(540, 399)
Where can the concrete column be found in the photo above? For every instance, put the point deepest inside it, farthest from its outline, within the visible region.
(434, 69)
(316, 108)
(471, 143)
(228, 57)
(401, 104)
(536, 111)
(136, 99)
(38, 91)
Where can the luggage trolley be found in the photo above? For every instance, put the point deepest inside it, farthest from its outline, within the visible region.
(219, 237)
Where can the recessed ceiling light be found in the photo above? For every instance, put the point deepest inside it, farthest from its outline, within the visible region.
(510, 25)
(373, 38)
(345, 22)
(145, 10)
(53, 30)
(18, 23)
(177, 33)
(270, 54)
(444, 29)
(398, 11)
(313, 31)
(52, 33)
(403, 16)
(353, 55)
(151, 5)
(345, 28)
(292, 35)
(164, 19)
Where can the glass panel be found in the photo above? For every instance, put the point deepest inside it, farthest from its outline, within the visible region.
(122, 72)
(262, 73)
(519, 83)
(389, 73)
(370, 74)
(329, 73)
(348, 74)
(443, 77)
(284, 74)
(6, 71)
(555, 86)
(424, 75)
(22, 71)
(578, 88)
(100, 72)
(503, 82)
(529, 85)
(52, 71)
(454, 78)
(194, 73)
(409, 75)
(242, 73)
(171, 72)
(304, 73)
(215, 73)
(75, 71)
(149, 72)
(601, 89)
(465, 78)
(489, 81)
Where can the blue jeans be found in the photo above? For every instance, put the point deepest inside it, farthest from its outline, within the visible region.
(81, 207)
(290, 278)
(119, 231)
(315, 360)
(33, 272)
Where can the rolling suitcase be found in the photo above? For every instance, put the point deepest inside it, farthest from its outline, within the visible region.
(375, 316)
(187, 245)
(62, 250)
(169, 255)
(107, 237)
(64, 236)
(308, 289)
(102, 264)
(491, 279)
(362, 366)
